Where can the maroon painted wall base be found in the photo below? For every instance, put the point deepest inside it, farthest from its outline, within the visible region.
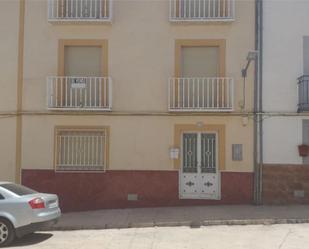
(281, 182)
(90, 191)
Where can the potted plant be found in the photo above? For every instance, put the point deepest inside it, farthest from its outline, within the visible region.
(303, 150)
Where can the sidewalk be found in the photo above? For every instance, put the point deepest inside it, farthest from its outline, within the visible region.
(183, 216)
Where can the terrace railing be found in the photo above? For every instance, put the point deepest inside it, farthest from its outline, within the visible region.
(79, 93)
(79, 10)
(201, 94)
(202, 10)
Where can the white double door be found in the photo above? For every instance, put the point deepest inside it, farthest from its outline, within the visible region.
(199, 175)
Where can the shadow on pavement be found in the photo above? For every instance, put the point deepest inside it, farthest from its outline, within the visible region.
(32, 239)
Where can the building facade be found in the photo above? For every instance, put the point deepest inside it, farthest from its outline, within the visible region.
(10, 66)
(285, 101)
(134, 103)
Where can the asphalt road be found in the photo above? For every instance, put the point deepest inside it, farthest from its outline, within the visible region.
(214, 237)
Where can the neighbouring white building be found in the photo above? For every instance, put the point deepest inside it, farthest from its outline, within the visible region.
(285, 101)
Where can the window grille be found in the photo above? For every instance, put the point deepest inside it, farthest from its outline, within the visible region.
(81, 149)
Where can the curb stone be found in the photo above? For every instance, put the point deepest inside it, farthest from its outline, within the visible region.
(254, 222)
(192, 224)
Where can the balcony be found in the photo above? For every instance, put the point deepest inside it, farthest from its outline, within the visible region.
(79, 11)
(303, 93)
(79, 93)
(201, 94)
(202, 10)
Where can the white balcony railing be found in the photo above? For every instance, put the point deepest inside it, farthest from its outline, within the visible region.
(79, 10)
(202, 10)
(79, 93)
(201, 94)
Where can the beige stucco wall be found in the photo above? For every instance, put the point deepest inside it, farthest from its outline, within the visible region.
(141, 50)
(141, 46)
(7, 149)
(9, 23)
(140, 143)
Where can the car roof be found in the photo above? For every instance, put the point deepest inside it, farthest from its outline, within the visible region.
(4, 182)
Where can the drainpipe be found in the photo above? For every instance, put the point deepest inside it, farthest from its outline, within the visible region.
(258, 105)
(261, 103)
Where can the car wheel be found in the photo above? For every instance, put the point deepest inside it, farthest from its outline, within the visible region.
(7, 232)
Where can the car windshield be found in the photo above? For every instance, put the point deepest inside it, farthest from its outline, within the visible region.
(18, 189)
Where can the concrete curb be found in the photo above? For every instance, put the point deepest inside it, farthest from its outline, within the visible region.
(192, 224)
(255, 222)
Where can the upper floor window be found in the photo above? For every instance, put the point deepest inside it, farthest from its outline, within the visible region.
(82, 82)
(202, 10)
(82, 61)
(79, 10)
(200, 83)
(201, 61)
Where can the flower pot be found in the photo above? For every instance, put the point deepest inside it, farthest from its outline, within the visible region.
(303, 150)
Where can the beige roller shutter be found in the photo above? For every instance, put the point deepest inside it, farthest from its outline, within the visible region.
(82, 61)
(200, 62)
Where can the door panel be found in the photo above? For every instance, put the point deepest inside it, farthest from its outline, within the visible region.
(209, 185)
(208, 151)
(190, 185)
(189, 176)
(190, 153)
(209, 178)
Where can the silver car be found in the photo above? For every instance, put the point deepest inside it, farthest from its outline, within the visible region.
(23, 211)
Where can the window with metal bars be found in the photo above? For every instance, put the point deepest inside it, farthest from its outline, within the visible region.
(81, 149)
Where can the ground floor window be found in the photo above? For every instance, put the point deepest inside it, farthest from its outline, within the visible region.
(81, 149)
